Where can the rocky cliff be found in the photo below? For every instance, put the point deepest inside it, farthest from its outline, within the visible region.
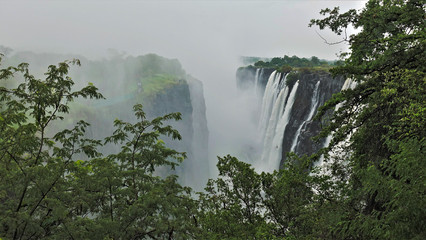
(159, 84)
(289, 103)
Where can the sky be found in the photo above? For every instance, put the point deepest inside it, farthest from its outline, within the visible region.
(176, 29)
(207, 37)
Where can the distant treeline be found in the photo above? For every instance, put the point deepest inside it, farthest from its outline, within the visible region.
(294, 61)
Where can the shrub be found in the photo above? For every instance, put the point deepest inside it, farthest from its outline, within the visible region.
(292, 77)
(285, 69)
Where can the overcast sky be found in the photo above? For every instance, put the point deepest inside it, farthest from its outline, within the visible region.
(177, 29)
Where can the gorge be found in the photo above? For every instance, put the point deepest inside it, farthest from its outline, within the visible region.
(288, 102)
(282, 105)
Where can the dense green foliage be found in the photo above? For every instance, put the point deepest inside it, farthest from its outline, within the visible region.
(242, 204)
(291, 78)
(47, 193)
(380, 122)
(57, 185)
(157, 84)
(295, 66)
(286, 63)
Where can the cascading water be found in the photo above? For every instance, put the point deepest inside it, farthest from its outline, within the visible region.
(285, 112)
(275, 114)
(274, 153)
(256, 82)
(269, 97)
(258, 89)
(314, 105)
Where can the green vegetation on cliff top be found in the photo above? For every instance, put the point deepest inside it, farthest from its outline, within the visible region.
(287, 64)
(158, 83)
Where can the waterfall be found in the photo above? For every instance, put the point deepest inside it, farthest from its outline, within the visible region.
(314, 105)
(268, 100)
(276, 114)
(271, 155)
(256, 82)
(196, 169)
(285, 113)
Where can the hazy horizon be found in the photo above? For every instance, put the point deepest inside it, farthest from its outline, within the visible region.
(172, 29)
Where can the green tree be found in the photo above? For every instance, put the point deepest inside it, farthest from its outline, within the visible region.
(243, 204)
(380, 122)
(131, 200)
(47, 193)
(231, 206)
(315, 61)
(32, 167)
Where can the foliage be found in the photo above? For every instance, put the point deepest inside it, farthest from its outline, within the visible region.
(152, 64)
(46, 192)
(381, 121)
(282, 64)
(156, 84)
(291, 78)
(242, 204)
(294, 75)
(371, 185)
(285, 69)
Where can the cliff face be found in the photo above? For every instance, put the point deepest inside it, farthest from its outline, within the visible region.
(159, 84)
(199, 165)
(302, 108)
(288, 108)
(188, 99)
(175, 99)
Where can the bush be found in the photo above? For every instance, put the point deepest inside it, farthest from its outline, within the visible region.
(285, 69)
(291, 79)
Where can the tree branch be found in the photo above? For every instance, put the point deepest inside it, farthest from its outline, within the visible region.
(345, 39)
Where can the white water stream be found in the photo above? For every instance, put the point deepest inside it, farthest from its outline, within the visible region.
(278, 117)
(314, 105)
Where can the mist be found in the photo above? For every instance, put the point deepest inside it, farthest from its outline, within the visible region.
(207, 37)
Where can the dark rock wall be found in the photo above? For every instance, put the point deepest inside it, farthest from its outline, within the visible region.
(188, 99)
(175, 99)
(301, 108)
